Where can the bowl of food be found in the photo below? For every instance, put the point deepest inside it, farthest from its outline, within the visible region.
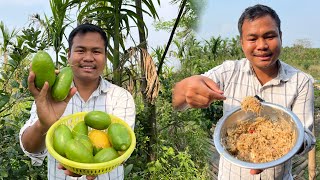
(259, 140)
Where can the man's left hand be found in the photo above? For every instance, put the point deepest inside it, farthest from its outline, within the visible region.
(255, 171)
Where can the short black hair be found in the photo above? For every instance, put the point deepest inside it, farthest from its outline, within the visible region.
(85, 28)
(257, 11)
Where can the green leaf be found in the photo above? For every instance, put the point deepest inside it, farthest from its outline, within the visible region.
(4, 75)
(4, 174)
(4, 99)
(127, 170)
(12, 63)
(15, 84)
(25, 82)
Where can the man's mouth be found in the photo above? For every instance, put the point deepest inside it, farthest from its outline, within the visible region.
(88, 66)
(263, 56)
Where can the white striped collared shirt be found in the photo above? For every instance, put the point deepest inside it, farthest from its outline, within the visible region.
(107, 97)
(292, 89)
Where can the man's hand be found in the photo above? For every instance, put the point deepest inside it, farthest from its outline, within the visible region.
(69, 173)
(196, 91)
(48, 110)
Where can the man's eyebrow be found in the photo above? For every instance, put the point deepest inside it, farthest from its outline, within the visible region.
(267, 33)
(79, 47)
(83, 47)
(271, 32)
(251, 34)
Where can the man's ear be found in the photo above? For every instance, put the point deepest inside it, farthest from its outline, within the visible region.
(69, 54)
(241, 41)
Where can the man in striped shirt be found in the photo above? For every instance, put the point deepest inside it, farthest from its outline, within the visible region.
(89, 91)
(260, 73)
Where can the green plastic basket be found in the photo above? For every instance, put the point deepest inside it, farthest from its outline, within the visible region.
(93, 169)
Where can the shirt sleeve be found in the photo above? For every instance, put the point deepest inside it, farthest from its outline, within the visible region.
(216, 75)
(124, 107)
(36, 158)
(223, 72)
(303, 107)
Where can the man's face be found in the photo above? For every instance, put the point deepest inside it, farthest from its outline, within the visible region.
(261, 42)
(87, 56)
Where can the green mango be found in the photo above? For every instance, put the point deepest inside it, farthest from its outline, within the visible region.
(119, 136)
(85, 141)
(62, 84)
(106, 154)
(43, 67)
(61, 136)
(96, 150)
(78, 152)
(97, 119)
(80, 129)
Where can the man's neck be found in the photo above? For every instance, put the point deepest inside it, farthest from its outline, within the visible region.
(264, 75)
(86, 88)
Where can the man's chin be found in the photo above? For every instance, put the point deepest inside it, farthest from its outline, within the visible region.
(88, 77)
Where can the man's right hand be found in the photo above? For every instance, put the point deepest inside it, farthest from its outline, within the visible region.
(195, 92)
(48, 110)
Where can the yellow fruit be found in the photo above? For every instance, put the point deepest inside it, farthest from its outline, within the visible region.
(99, 139)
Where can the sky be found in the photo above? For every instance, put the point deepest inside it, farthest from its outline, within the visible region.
(300, 19)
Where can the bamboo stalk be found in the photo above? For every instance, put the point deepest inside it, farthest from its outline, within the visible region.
(312, 161)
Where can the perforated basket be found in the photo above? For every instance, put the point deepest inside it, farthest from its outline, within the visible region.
(87, 168)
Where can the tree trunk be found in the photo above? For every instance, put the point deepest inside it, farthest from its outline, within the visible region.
(5, 60)
(57, 58)
(116, 57)
(150, 109)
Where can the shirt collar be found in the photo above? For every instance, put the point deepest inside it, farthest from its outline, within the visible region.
(104, 87)
(282, 74)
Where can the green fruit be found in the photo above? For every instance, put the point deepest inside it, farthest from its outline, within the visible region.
(43, 67)
(78, 152)
(97, 119)
(85, 141)
(61, 86)
(61, 136)
(106, 154)
(96, 149)
(119, 136)
(80, 129)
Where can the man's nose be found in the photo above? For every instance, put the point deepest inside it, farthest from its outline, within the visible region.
(262, 43)
(88, 56)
